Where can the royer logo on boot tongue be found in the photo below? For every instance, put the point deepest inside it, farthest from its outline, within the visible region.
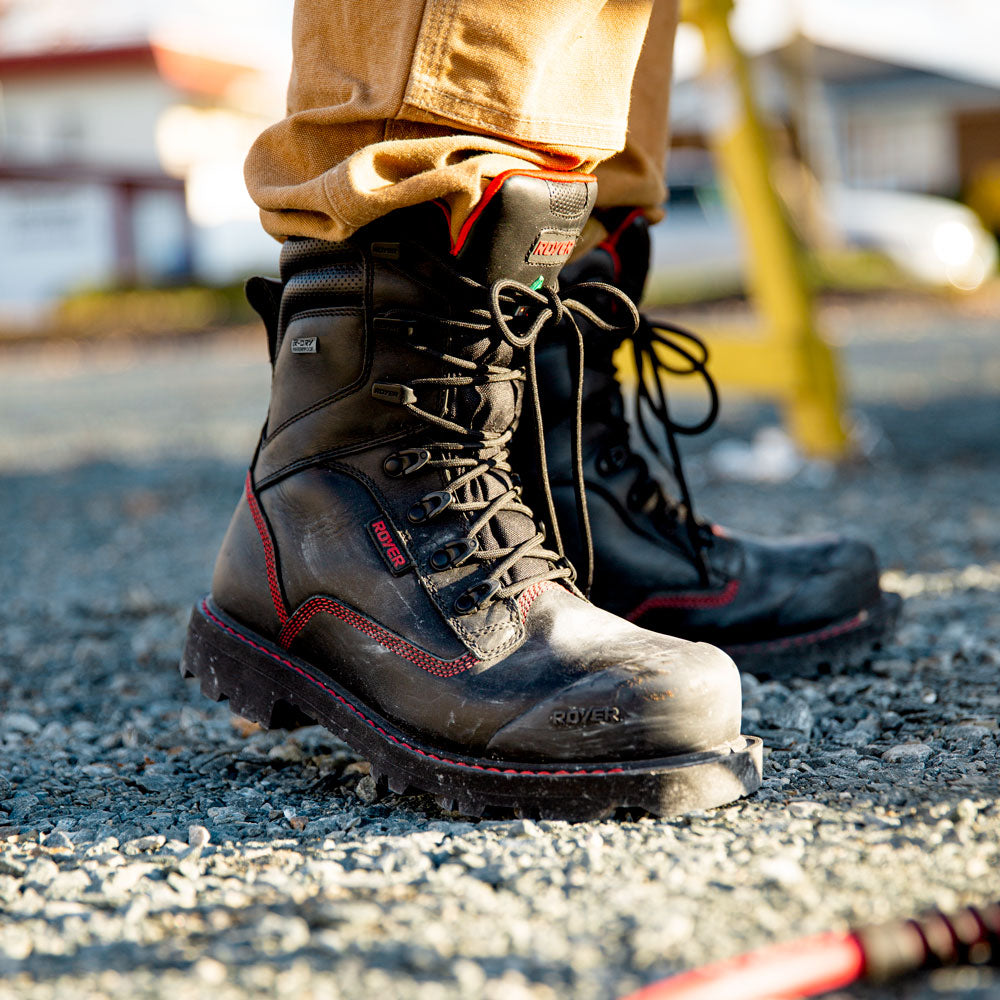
(390, 547)
(552, 246)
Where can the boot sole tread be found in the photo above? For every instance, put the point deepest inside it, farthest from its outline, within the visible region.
(271, 687)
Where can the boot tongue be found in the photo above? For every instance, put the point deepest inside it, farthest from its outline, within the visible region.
(525, 227)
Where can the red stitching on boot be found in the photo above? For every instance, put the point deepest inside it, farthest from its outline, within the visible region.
(386, 639)
(689, 600)
(389, 736)
(265, 537)
(389, 640)
(526, 599)
(610, 242)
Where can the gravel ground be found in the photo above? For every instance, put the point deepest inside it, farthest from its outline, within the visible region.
(153, 846)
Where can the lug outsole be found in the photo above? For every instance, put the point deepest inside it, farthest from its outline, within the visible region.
(836, 647)
(273, 688)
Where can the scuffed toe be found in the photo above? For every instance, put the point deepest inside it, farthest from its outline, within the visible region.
(683, 703)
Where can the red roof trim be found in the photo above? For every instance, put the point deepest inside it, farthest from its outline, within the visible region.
(188, 71)
(65, 60)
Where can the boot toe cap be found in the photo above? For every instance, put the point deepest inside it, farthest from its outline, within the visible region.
(843, 578)
(680, 699)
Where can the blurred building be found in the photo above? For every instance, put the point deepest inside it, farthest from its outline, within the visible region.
(899, 118)
(122, 133)
(120, 163)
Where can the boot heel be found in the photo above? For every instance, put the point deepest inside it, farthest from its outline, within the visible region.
(229, 670)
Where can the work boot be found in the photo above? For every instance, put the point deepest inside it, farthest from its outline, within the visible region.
(790, 606)
(383, 576)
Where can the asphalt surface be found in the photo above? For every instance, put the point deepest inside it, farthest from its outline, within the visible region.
(150, 846)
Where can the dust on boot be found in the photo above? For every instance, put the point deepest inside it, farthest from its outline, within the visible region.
(382, 574)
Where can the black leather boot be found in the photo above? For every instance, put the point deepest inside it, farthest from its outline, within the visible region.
(382, 575)
(790, 606)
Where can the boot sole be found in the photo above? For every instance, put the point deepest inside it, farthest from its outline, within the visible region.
(271, 687)
(830, 649)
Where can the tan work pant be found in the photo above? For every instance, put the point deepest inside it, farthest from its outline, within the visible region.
(395, 103)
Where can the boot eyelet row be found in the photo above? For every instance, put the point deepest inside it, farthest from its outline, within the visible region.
(405, 462)
(453, 554)
(612, 460)
(640, 495)
(475, 597)
(428, 507)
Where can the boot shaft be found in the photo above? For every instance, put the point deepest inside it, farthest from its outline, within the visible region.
(395, 390)
(349, 321)
(620, 261)
(620, 488)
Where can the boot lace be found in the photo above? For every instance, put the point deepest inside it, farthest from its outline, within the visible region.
(477, 458)
(661, 350)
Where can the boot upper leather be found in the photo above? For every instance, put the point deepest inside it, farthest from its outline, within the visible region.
(383, 356)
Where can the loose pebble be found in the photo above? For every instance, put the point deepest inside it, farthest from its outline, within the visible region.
(142, 845)
(366, 789)
(58, 841)
(198, 836)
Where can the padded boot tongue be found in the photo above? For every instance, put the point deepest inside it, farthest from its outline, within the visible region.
(525, 227)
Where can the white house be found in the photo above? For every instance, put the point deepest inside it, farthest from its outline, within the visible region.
(120, 162)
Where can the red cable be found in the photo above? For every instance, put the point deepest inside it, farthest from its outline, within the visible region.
(795, 969)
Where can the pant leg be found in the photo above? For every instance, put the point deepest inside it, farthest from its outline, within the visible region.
(395, 103)
(635, 176)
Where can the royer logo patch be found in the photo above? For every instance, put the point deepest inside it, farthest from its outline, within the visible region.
(390, 547)
(592, 716)
(552, 246)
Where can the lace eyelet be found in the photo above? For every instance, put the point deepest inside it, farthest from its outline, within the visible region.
(612, 460)
(640, 495)
(428, 507)
(453, 554)
(475, 597)
(405, 462)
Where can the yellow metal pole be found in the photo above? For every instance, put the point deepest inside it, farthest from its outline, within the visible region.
(792, 362)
